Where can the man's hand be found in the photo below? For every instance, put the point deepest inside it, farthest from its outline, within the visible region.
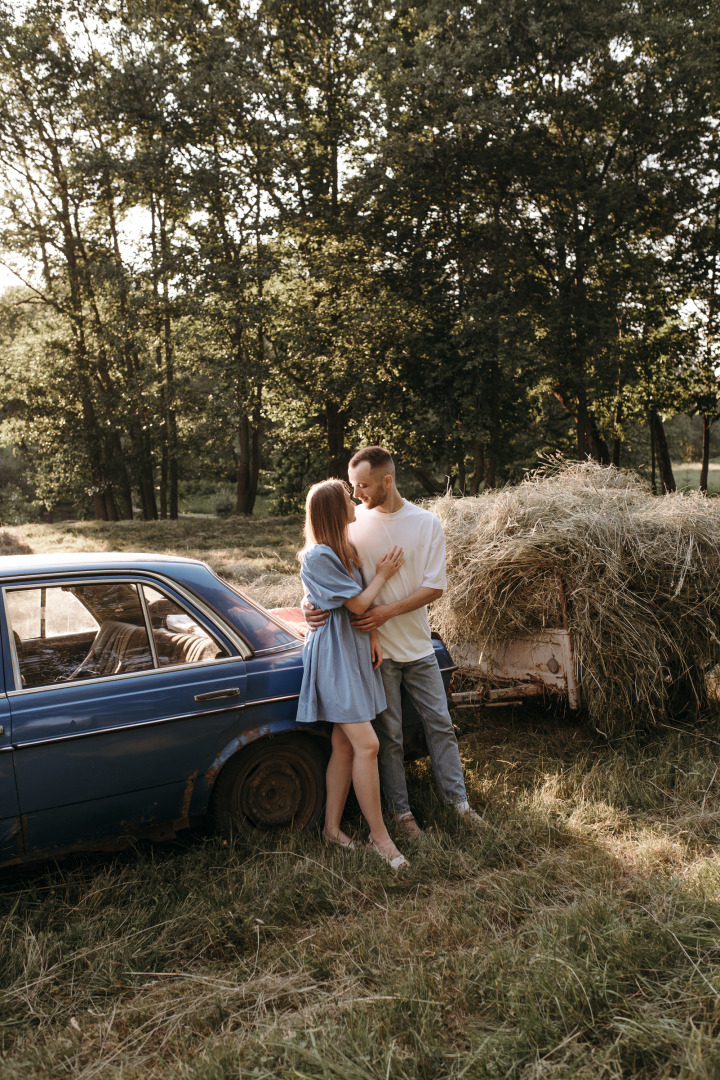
(314, 617)
(372, 618)
(380, 613)
(375, 650)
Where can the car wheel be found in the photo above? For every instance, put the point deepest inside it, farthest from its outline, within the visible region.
(275, 783)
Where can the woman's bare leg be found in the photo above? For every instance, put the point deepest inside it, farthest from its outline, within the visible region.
(366, 782)
(337, 783)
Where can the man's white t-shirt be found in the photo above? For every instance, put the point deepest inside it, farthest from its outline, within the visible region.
(419, 533)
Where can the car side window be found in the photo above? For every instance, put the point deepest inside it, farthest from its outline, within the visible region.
(63, 633)
(45, 613)
(179, 638)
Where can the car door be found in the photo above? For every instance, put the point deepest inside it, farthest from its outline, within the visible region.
(10, 833)
(113, 743)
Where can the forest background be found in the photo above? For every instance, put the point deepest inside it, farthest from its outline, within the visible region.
(248, 237)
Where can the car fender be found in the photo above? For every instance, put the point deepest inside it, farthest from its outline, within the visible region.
(200, 786)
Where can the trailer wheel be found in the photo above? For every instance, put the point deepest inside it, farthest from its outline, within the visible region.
(275, 783)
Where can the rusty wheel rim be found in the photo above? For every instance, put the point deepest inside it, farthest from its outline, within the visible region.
(274, 793)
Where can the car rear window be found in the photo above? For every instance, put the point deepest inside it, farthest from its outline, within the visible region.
(178, 636)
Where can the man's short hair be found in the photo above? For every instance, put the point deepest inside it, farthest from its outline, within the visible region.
(376, 457)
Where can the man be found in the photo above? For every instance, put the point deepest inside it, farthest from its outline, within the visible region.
(401, 620)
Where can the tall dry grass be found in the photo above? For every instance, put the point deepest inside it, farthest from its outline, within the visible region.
(12, 544)
(580, 937)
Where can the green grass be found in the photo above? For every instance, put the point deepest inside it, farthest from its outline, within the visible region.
(578, 938)
(687, 476)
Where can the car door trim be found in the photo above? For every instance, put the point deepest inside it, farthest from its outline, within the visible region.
(271, 700)
(242, 706)
(127, 727)
(145, 673)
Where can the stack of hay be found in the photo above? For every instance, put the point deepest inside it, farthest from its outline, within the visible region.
(641, 577)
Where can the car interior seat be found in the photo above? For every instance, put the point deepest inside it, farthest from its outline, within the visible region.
(118, 647)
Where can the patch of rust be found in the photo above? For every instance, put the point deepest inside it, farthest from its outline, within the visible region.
(241, 740)
(137, 829)
(187, 794)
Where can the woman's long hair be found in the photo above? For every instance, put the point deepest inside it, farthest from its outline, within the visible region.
(326, 521)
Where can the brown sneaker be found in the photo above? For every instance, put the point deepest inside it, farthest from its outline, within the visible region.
(472, 820)
(409, 828)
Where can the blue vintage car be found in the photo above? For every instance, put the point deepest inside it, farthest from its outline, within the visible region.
(142, 693)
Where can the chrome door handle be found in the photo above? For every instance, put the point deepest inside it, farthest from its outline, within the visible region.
(216, 695)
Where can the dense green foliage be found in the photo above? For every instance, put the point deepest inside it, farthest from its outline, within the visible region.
(254, 235)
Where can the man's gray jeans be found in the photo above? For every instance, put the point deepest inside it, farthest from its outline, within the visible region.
(423, 683)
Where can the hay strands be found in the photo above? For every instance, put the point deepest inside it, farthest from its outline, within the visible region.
(632, 579)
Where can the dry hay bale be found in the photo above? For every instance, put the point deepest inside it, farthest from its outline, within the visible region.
(641, 577)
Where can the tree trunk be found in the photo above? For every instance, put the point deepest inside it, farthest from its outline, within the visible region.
(248, 463)
(617, 418)
(111, 510)
(172, 436)
(147, 498)
(462, 474)
(337, 458)
(662, 454)
(479, 463)
(491, 470)
(705, 465)
(117, 457)
(590, 441)
(142, 464)
(163, 477)
(146, 479)
(92, 444)
(92, 435)
(428, 482)
(249, 396)
(247, 472)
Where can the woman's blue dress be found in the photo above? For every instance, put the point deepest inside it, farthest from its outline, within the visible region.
(339, 683)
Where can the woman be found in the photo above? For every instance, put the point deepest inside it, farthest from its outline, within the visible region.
(341, 681)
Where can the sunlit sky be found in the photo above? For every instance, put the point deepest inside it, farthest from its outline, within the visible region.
(7, 279)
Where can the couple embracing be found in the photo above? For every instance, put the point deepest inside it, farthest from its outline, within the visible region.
(369, 573)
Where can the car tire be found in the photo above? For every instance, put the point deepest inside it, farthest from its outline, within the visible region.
(275, 783)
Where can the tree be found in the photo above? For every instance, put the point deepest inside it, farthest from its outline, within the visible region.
(527, 161)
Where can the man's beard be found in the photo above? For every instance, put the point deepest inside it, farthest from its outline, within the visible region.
(378, 500)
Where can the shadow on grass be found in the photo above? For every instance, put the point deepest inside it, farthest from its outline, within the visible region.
(578, 937)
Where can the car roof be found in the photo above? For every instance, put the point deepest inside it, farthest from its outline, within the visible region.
(12, 565)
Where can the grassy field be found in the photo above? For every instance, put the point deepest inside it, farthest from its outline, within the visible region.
(687, 475)
(579, 938)
(258, 554)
